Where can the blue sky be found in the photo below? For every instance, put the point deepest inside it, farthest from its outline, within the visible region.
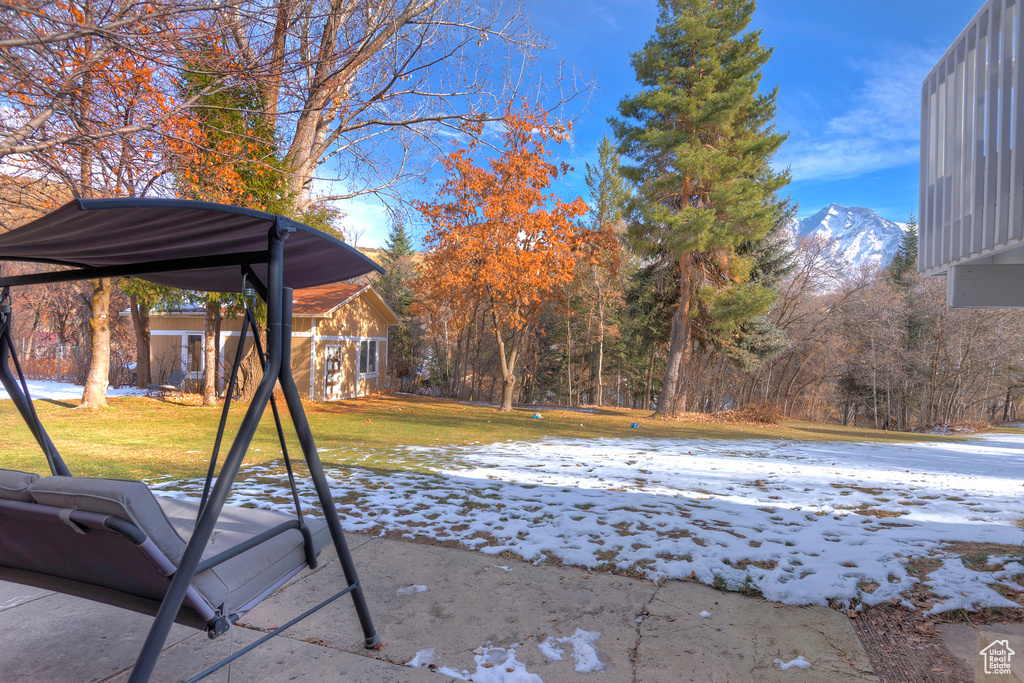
(849, 74)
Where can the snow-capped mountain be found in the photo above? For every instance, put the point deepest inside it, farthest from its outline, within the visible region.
(859, 234)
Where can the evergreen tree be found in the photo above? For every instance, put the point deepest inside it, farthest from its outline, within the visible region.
(395, 286)
(905, 260)
(608, 198)
(749, 342)
(225, 153)
(702, 138)
(398, 244)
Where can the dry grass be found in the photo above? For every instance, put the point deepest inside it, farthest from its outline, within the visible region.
(145, 438)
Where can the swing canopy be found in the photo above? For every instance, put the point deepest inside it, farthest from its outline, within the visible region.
(127, 236)
(200, 563)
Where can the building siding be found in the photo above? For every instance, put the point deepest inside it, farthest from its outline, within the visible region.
(345, 327)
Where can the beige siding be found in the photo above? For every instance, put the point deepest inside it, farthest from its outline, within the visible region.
(190, 323)
(355, 319)
(300, 364)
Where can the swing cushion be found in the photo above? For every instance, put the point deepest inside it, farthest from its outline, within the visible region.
(14, 485)
(251, 576)
(129, 500)
(234, 585)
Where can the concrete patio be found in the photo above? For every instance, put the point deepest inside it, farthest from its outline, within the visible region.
(648, 632)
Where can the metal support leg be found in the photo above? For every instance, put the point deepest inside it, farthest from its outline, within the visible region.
(147, 659)
(14, 389)
(316, 473)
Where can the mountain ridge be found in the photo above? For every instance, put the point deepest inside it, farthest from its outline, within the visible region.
(858, 234)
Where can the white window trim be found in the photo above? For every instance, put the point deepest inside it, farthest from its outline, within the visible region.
(312, 364)
(376, 358)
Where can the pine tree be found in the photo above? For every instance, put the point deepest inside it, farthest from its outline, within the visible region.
(395, 285)
(702, 138)
(751, 341)
(608, 198)
(905, 260)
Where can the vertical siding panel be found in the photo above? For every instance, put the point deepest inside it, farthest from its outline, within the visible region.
(956, 134)
(942, 110)
(1016, 208)
(992, 129)
(970, 95)
(1002, 197)
(924, 259)
(981, 90)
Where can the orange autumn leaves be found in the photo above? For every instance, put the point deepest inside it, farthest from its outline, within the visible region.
(501, 241)
(498, 234)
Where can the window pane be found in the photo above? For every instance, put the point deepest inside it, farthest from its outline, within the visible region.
(195, 352)
(373, 357)
(362, 357)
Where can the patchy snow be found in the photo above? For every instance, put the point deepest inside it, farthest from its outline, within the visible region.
(493, 665)
(409, 590)
(583, 651)
(801, 522)
(422, 659)
(799, 663)
(65, 391)
(549, 648)
(705, 614)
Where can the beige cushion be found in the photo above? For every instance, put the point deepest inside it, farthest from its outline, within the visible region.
(169, 524)
(123, 498)
(237, 581)
(14, 485)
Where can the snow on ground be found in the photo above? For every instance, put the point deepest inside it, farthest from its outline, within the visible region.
(65, 391)
(799, 522)
(799, 663)
(493, 665)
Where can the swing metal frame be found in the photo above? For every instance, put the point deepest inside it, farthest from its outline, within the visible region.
(248, 265)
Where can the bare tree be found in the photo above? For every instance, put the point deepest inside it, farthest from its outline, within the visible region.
(357, 87)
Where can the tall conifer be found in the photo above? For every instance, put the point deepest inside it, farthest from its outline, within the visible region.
(701, 137)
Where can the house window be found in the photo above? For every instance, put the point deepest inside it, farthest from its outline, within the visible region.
(194, 360)
(368, 357)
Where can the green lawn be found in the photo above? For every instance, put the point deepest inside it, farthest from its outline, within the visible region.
(143, 438)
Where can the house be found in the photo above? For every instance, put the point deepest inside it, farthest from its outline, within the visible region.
(339, 341)
(972, 170)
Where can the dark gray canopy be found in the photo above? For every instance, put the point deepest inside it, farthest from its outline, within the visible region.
(93, 233)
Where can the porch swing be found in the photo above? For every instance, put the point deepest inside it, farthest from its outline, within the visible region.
(199, 563)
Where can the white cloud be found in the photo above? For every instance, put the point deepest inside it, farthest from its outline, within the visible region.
(880, 131)
(601, 13)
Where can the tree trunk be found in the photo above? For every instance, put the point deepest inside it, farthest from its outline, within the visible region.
(568, 348)
(598, 391)
(95, 394)
(648, 393)
(250, 371)
(673, 390)
(140, 317)
(210, 355)
(508, 364)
